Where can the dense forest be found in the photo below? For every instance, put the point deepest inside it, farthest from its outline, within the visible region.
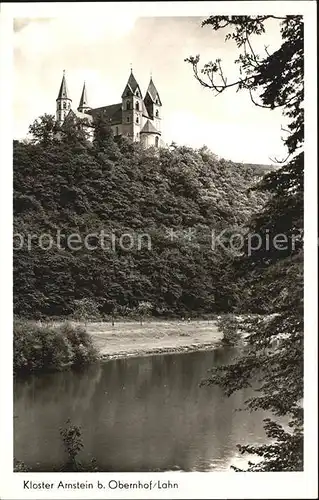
(176, 196)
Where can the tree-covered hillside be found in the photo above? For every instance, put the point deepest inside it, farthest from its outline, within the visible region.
(175, 197)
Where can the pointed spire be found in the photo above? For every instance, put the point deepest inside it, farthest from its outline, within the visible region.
(153, 93)
(63, 92)
(84, 100)
(132, 86)
(132, 81)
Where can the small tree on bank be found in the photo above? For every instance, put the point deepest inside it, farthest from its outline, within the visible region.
(144, 309)
(85, 310)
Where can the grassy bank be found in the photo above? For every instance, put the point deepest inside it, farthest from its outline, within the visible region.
(38, 348)
(152, 337)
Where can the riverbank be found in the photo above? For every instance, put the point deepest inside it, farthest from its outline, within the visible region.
(130, 339)
(55, 346)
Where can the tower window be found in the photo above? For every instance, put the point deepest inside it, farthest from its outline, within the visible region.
(156, 142)
(137, 120)
(117, 131)
(137, 93)
(128, 119)
(128, 105)
(157, 114)
(64, 105)
(137, 106)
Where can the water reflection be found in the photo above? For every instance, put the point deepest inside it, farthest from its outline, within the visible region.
(136, 414)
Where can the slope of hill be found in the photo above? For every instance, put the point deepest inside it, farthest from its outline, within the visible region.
(140, 223)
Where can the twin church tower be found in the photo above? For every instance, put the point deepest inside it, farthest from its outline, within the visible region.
(135, 117)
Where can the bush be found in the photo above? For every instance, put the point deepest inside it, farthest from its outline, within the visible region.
(229, 326)
(86, 309)
(83, 350)
(73, 444)
(71, 436)
(43, 348)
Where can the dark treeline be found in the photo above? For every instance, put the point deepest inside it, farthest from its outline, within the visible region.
(177, 196)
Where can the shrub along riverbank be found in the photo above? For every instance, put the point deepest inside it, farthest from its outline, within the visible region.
(47, 348)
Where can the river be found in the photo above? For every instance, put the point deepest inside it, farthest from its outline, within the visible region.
(136, 414)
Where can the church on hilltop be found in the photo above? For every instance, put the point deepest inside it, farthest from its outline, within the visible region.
(135, 117)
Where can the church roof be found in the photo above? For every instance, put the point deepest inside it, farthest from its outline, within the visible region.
(84, 99)
(132, 86)
(152, 91)
(63, 92)
(149, 128)
(144, 110)
(81, 116)
(113, 112)
(132, 82)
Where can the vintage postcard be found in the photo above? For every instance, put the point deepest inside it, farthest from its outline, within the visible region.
(159, 269)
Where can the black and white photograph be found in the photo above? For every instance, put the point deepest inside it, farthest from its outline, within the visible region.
(158, 204)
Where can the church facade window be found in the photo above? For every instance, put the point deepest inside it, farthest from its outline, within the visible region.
(156, 141)
(137, 106)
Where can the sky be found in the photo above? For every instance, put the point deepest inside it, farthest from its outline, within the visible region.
(101, 50)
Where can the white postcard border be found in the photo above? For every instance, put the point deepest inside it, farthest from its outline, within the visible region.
(195, 484)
